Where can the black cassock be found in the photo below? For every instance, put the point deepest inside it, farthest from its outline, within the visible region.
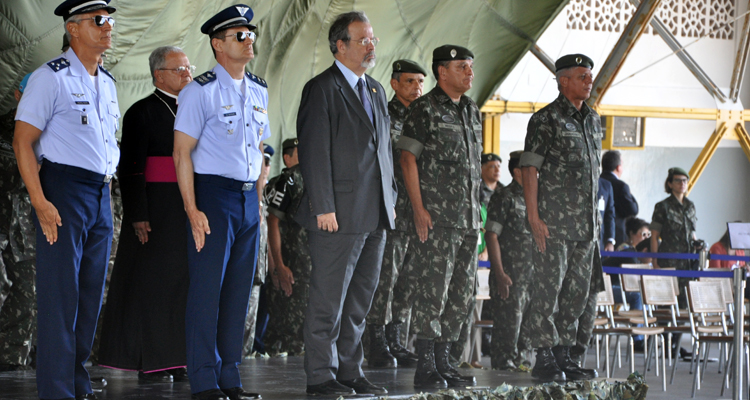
(144, 321)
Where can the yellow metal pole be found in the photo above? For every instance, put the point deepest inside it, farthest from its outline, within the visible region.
(491, 134)
(744, 139)
(705, 155)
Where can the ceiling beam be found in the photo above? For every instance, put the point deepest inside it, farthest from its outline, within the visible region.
(683, 55)
(740, 60)
(543, 57)
(637, 24)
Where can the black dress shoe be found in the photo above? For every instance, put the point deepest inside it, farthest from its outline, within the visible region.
(212, 394)
(239, 394)
(89, 396)
(179, 374)
(98, 383)
(363, 386)
(330, 388)
(155, 377)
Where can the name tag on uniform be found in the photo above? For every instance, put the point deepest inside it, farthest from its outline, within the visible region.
(230, 114)
(601, 204)
(82, 102)
(570, 134)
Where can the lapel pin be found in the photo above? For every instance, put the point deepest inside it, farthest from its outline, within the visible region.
(374, 91)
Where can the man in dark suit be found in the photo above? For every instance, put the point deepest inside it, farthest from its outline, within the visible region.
(625, 204)
(346, 164)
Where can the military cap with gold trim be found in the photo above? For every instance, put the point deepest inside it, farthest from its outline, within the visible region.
(573, 60)
(70, 8)
(230, 17)
(289, 144)
(450, 52)
(408, 66)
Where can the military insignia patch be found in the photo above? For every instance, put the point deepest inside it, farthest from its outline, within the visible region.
(448, 119)
(257, 79)
(579, 60)
(260, 109)
(242, 10)
(79, 95)
(453, 53)
(205, 78)
(227, 107)
(59, 64)
(570, 126)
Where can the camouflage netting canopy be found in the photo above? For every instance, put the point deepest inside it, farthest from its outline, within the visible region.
(292, 44)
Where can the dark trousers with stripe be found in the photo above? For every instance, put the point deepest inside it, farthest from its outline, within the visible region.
(70, 278)
(221, 277)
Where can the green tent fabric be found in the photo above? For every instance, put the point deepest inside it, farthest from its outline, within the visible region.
(292, 44)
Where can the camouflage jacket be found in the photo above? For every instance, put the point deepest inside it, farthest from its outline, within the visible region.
(506, 217)
(675, 223)
(9, 177)
(283, 194)
(565, 144)
(397, 111)
(261, 269)
(446, 139)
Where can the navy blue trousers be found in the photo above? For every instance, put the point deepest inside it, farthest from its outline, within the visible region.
(70, 278)
(221, 277)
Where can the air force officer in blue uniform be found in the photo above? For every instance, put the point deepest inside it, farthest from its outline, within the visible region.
(66, 122)
(218, 151)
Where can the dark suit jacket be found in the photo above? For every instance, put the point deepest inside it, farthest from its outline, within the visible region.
(625, 204)
(608, 214)
(346, 162)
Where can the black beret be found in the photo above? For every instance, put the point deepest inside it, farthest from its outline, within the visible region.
(230, 17)
(449, 52)
(677, 171)
(573, 60)
(408, 66)
(516, 154)
(289, 144)
(490, 157)
(74, 7)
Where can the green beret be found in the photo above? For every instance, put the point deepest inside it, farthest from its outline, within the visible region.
(490, 157)
(450, 52)
(289, 144)
(516, 154)
(408, 66)
(573, 60)
(677, 171)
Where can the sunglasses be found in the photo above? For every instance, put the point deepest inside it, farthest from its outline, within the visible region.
(99, 20)
(241, 36)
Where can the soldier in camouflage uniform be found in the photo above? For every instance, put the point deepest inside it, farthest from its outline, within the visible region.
(561, 165)
(407, 81)
(251, 320)
(441, 145)
(292, 265)
(509, 244)
(674, 221)
(18, 314)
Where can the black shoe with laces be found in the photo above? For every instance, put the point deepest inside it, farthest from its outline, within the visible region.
(380, 356)
(546, 368)
(427, 376)
(572, 370)
(444, 367)
(404, 357)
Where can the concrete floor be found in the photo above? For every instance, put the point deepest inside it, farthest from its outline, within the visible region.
(284, 378)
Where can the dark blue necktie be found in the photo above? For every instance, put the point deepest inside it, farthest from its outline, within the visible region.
(362, 87)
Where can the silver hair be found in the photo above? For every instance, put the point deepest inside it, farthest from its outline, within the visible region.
(158, 58)
(565, 72)
(340, 28)
(72, 18)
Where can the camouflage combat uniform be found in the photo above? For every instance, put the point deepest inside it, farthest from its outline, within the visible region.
(564, 144)
(446, 139)
(260, 278)
(506, 217)
(287, 314)
(397, 241)
(676, 225)
(18, 314)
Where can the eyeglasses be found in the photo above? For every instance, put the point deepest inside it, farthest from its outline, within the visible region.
(99, 20)
(241, 36)
(681, 181)
(367, 41)
(181, 69)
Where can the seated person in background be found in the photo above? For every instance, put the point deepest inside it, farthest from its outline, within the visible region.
(722, 247)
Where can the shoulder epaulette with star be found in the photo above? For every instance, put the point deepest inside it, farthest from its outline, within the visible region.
(260, 81)
(59, 64)
(206, 77)
(107, 73)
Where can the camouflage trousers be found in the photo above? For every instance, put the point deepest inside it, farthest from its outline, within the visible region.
(510, 328)
(395, 256)
(287, 315)
(5, 283)
(560, 292)
(461, 350)
(445, 266)
(248, 338)
(18, 315)
(585, 324)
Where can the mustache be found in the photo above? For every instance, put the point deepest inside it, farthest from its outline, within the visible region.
(372, 53)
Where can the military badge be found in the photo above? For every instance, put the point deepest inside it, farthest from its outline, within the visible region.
(227, 107)
(260, 109)
(453, 53)
(448, 119)
(570, 126)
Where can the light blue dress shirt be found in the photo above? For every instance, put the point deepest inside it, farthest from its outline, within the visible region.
(229, 126)
(78, 122)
